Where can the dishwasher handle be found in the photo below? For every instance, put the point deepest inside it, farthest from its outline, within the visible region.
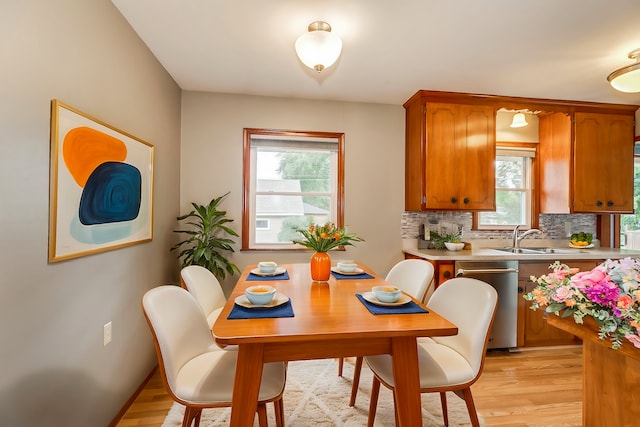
(465, 272)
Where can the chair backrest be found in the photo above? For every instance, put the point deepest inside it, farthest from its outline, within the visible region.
(205, 287)
(179, 328)
(470, 304)
(412, 276)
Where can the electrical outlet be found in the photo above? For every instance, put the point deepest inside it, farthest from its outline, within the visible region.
(107, 333)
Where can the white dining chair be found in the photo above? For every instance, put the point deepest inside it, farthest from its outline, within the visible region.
(451, 363)
(412, 276)
(205, 287)
(196, 372)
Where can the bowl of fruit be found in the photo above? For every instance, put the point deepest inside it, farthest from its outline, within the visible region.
(581, 240)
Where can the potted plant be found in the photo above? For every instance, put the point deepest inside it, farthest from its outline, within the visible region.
(208, 239)
(323, 238)
(453, 242)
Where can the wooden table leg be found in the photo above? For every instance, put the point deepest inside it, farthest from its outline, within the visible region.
(246, 385)
(407, 381)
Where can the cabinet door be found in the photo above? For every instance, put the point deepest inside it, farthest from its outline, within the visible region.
(603, 163)
(460, 157)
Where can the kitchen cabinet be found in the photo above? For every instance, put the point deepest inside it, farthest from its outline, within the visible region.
(533, 329)
(602, 174)
(442, 270)
(450, 155)
(585, 153)
(586, 163)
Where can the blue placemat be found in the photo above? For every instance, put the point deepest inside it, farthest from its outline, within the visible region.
(351, 276)
(410, 307)
(240, 312)
(283, 276)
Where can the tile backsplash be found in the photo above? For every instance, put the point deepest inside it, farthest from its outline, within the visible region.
(553, 226)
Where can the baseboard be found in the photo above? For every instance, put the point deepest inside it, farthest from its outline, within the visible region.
(133, 397)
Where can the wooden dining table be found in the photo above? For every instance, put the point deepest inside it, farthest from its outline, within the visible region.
(329, 322)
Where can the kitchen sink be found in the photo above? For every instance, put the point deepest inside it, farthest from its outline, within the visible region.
(536, 251)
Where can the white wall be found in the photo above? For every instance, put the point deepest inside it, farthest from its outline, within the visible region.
(55, 370)
(211, 158)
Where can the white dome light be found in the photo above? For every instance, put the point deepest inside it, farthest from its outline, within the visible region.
(319, 48)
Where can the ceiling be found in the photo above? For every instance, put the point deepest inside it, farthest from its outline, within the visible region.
(559, 49)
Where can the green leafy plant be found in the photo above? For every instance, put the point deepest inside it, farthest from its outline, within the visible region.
(208, 239)
(439, 240)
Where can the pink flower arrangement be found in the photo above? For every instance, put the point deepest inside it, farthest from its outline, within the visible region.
(610, 293)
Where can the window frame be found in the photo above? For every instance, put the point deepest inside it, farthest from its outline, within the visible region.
(533, 183)
(247, 201)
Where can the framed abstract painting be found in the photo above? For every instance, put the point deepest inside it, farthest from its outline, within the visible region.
(101, 186)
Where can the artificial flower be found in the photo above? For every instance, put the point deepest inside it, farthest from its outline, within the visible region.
(609, 294)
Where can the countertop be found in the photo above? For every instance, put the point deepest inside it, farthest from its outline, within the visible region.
(486, 250)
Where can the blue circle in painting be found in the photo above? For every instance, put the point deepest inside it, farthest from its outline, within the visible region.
(112, 194)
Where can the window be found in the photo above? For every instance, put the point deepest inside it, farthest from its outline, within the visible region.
(630, 224)
(262, 224)
(291, 179)
(514, 204)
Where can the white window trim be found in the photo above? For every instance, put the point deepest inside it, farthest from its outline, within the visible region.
(529, 155)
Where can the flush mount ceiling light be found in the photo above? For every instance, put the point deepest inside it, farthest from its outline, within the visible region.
(518, 120)
(319, 48)
(627, 79)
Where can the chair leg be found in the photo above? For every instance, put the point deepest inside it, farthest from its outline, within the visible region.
(356, 380)
(395, 409)
(340, 365)
(471, 407)
(278, 406)
(373, 404)
(262, 415)
(191, 415)
(445, 411)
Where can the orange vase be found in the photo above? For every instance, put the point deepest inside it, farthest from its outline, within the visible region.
(320, 267)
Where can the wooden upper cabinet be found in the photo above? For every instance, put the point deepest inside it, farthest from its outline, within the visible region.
(586, 163)
(450, 156)
(585, 153)
(603, 163)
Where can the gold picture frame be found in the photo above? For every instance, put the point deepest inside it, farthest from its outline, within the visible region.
(101, 186)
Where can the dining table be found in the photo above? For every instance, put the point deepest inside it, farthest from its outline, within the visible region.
(322, 320)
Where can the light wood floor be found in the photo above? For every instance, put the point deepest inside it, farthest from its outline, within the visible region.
(532, 388)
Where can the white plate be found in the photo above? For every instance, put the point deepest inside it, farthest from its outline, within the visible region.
(279, 270)
(347, 273)
(278, 299)
(371, 297)
(571, 245)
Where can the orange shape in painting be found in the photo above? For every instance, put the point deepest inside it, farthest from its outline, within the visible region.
(85, 149)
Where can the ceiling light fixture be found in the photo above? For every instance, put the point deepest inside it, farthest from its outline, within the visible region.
(518, 120)
(627, 79)
(319, 48)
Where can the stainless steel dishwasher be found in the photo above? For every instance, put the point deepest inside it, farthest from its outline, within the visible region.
(503, 276)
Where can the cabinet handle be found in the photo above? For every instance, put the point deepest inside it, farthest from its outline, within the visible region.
(466, 200)
(599, 203)
(446, 274)
(609, 203)
(454, 200)
(520, 289)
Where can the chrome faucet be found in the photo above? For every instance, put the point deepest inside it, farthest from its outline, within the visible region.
(518, 237)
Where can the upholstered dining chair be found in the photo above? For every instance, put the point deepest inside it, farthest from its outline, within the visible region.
(196, 372)
(414, 277)
(203, 285)
(450, 363)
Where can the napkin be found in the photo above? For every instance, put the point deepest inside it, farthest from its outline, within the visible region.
(284, 276)
(351, 276)
(410, 307)
(282, 310)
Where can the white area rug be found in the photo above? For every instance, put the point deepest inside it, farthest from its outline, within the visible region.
(316, 396)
